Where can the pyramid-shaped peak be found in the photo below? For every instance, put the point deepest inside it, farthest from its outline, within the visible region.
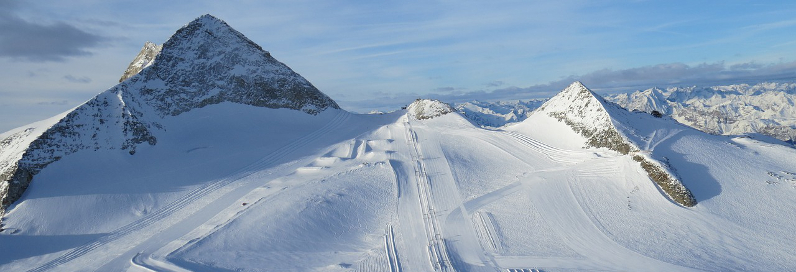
(208, 17)
(578, 106)
(578, 91)
(208, 62)
(575, 95)
(206, 27)
(577, 85)
(208, 21)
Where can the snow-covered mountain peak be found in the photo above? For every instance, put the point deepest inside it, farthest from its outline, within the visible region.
(649, 100)
(205, 62)
(203, 29)
(428, 108)
(603, 124)
(580, 106)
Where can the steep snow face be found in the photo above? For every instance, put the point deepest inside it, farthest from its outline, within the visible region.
(145, 58)
(428, 108)
(765, 108)
(498, 114)
(205, 62)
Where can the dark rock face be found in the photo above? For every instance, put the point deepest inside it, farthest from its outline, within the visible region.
(205, 62)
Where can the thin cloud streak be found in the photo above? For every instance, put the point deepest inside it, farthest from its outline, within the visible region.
(604, 80)
(74, 79)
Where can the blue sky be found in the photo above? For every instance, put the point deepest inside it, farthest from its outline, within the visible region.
(366, 55)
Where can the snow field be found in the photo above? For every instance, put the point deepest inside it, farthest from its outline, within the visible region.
(391, 193)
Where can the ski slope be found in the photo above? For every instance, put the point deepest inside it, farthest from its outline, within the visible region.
(349, 192)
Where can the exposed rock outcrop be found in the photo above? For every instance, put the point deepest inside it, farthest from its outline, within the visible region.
(428, 108)
(145, 58)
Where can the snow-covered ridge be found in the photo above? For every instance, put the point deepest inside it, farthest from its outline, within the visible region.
(428, 108)
(765, 108)
(205, 62)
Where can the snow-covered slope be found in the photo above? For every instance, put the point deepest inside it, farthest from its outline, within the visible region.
(500, 113)
(765, 108)
(232, 186)
(204, 63)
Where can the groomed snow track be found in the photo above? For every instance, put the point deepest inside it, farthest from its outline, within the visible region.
(437, 248)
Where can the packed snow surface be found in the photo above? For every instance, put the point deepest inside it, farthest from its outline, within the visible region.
(240, 188)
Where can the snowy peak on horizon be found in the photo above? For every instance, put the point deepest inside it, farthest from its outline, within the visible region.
(648, 100)
(765, 108)
(499, 113)
(579, 106)
(422, 109)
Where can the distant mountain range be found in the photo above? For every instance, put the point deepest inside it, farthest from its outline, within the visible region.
(764, 109)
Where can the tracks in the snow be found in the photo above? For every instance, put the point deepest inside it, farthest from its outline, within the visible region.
(555, 154)
(437, 249)
(391, 250)
(191, 197)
